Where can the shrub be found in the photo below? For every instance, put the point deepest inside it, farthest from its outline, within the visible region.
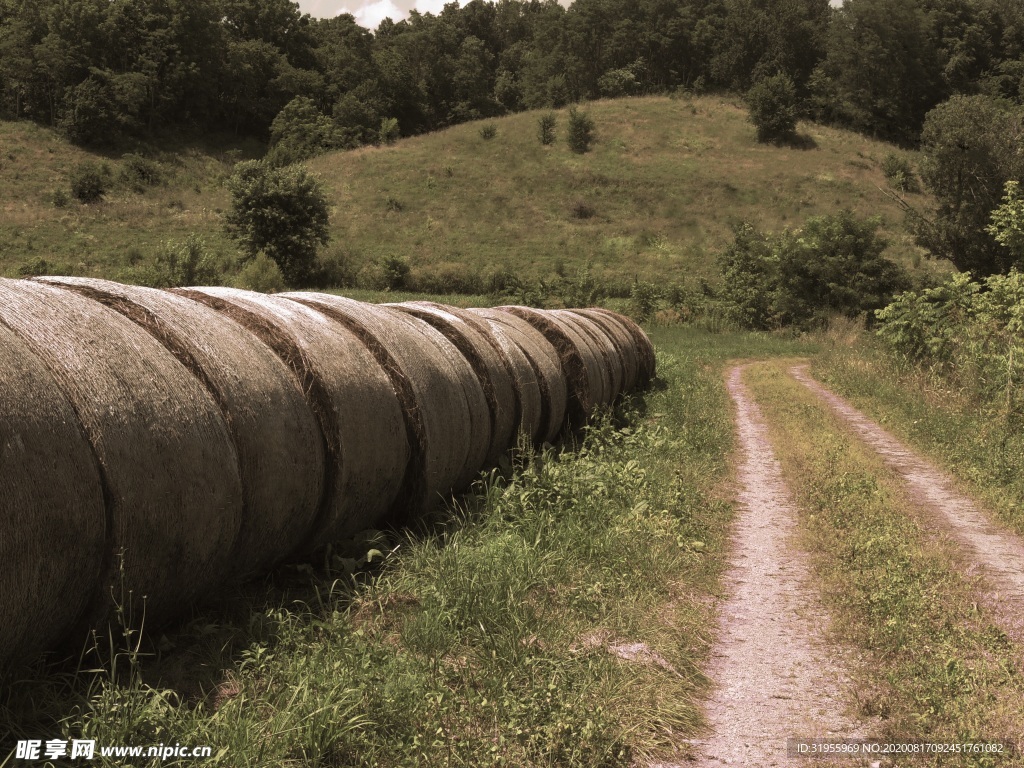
(138, 172)
(59, 198)
(280, 211)
(262, 274)
(581, 209)
(833, 264)
(581, 131)
(389, 132)
(772, 102)
(180, 264)
(300, 131)
(899, 173)
(546, 125)
(643, 300)
(1007, 221)
(488, 132)
(396, 272)
(88, 181)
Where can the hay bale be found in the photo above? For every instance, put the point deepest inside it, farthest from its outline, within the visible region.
(478, 346)
(279, 444)
(169, 469)
(579, 362)
(440, 394)
(366, 449)
(643, 346)
(517, 335)
(53, 525)
(611, 366)
(623, 343)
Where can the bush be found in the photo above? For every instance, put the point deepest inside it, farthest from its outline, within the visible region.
(488, 132)
(280, 211)
(546, 125)
(262, 274)
(138, 172)
(643, 300)
(772, 102)
(833, 264)
(180, 264)
(967, 331)
(300, 131)
(581, 209)
(899, 173)
(389, 132)
(581, 131)
(88, 181)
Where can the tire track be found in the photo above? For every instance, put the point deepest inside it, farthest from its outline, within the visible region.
(997, 553)
(775, 677)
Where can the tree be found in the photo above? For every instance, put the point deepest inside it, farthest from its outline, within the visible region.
(300, 131)
(772, 103)
(970, 150)
(581, 131)
(282, 212)
(882, 72)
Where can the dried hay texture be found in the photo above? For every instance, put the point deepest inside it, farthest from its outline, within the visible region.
(579, 362)
(444, 405)
(476, 343)
(168, 467)
(644, 348)
(623, 342)
(608, 359)
(514, 333)
(53, 525)
(279, 444)
(365, 445)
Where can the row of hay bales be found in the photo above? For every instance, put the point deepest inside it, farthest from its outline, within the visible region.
(155, 445)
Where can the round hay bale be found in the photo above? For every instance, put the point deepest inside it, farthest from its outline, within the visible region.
(439, 392)
(624, 345)
(279, 444)
(579, 362)
(169, 469)
(612, 369)
(365, 445)
(644, 348)
(53, 525)
(517, 335)
(481, 350)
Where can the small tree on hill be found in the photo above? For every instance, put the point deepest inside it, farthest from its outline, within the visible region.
(280, 211)
(772, 103)
(581, 131)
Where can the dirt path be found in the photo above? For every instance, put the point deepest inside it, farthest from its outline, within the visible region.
(999, 554)
(774, 677)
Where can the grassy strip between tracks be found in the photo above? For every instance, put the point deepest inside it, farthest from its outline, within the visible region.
(976, 443)
(933, 667)
(559, 616)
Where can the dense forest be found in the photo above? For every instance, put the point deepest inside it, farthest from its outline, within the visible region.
(102, 70)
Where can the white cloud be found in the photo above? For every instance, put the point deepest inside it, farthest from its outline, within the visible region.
(371, 14)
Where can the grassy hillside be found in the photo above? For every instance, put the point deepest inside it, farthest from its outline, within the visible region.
(655, 198)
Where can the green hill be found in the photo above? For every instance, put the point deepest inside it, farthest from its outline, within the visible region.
(655, 198)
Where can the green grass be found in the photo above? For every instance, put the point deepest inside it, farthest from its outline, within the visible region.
(931, 663)
(485, 637)
(973, 441)
(660, 191)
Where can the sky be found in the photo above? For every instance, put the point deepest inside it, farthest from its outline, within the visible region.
(370, 13)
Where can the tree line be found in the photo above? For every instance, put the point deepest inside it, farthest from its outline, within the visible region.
(103, 70)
